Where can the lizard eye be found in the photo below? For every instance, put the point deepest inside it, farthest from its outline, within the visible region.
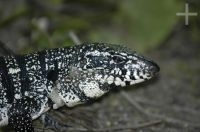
(118, 59)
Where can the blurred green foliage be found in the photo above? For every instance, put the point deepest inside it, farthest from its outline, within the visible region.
(140, 24)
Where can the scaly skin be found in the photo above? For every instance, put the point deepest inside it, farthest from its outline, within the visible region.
(32, 84)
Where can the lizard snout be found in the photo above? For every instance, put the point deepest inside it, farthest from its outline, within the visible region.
(153, 68)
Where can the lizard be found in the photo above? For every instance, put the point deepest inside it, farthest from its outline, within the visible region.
(31, 84)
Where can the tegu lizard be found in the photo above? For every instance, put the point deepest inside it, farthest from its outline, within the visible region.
(32, 84)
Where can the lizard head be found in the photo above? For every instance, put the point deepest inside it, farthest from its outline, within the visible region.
(95, 68)
(116, 64)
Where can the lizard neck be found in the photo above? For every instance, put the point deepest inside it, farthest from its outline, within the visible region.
(58, 59)
(57, 66)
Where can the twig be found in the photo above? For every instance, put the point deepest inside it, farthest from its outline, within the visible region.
(171, 107)
(74, 38)
(68, 129)
(133, 102)
(157, 116)
(139, 126)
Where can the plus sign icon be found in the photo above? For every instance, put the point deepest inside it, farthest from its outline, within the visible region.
(187, 14)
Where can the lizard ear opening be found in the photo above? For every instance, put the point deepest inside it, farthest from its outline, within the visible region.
(52, 75)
